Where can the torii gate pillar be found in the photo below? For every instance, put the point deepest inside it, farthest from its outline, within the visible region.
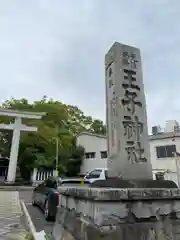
(17, 127)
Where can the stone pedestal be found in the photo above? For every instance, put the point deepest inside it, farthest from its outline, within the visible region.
(104, 213)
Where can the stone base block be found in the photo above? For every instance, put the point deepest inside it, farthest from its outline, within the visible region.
(75, 227)
(93, 214)
(143, 183)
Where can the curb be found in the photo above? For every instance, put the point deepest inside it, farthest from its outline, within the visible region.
(15, 188)
(29, 222)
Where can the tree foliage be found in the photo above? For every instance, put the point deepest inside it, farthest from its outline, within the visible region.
(62, 122)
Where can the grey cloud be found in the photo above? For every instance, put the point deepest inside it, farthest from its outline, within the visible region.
(57, 48)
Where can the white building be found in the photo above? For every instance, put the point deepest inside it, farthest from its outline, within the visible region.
(163, 144)
(95, 151)
(162, 148)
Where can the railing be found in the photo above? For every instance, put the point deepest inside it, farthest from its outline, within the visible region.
(39, 176)
(43, 175)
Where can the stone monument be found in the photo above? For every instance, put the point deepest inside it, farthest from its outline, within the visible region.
(129, 204)
(128, 146)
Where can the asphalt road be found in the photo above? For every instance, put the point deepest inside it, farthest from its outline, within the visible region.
(35, 213)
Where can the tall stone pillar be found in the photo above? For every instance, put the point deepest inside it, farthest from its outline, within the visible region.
(128, 146)
(14, 151)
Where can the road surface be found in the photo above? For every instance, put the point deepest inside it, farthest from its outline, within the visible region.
(35, 213)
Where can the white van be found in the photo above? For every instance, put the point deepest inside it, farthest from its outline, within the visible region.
(96, 174)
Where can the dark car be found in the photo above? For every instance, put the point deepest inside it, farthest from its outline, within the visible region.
(46, 196)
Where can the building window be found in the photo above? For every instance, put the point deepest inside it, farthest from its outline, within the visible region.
(165, 151)
(103, 154)
(90, 155)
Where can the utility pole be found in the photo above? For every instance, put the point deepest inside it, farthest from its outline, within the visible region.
(57, 155)
(56, 139)
(58, 143)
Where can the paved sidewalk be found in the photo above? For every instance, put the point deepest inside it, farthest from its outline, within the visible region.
(11, 216)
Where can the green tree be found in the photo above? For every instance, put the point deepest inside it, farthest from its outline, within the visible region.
(62, 122)
(98, 127)
(75, 161)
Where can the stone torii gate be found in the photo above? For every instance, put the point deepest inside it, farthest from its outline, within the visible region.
(17, 127)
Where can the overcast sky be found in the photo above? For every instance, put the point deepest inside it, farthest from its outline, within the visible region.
(56, 48)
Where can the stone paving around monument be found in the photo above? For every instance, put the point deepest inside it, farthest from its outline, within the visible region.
(11, 216)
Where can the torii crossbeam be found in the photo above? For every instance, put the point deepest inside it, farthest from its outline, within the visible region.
(17, 127)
